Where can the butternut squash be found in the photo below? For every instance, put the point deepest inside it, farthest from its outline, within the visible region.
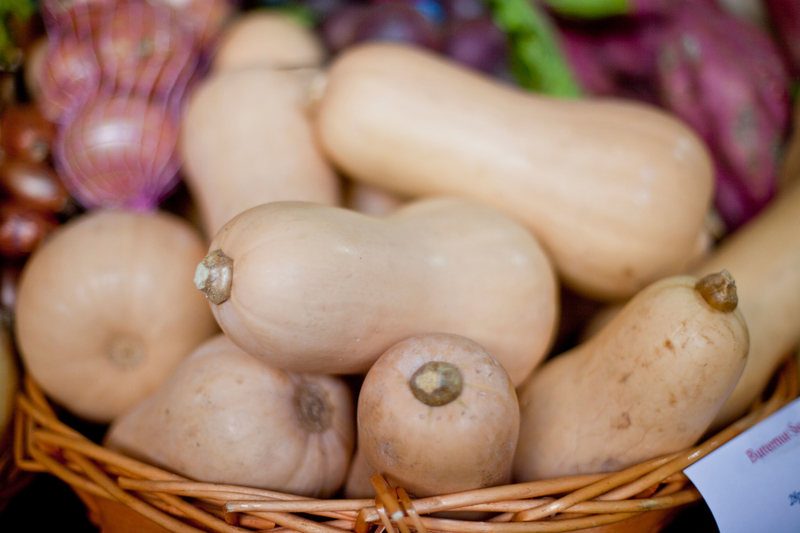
(226, 417)
(649, 383)
(438, 414)
(308, 287)
(106, 309)
(616, 191)
(371, 200)
(764, 258)
(246, 141)
(357, 484)
(263, 38)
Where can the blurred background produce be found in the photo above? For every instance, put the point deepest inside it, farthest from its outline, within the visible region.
(90, 104)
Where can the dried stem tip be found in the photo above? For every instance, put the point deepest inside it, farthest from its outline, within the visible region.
(436, 383)
(719, 291)
(214, 275)
(313, 407)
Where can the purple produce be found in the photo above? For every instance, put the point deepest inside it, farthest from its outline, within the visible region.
(128, 45)
(464, 9)
(785, 17)
(338, 29)
(614, 58)
(119, 152)
(116, 77)
(398, 22)
(725, 78)
(722, 75)
(477, 43)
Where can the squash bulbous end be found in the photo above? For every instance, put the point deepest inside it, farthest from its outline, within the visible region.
(214, 275)
(719, 291)
(313, 407)
(436, 383)
(127, 352)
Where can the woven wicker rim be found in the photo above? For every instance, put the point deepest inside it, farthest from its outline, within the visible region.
(44, 444)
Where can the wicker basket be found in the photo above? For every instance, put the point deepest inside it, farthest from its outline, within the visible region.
(124, 495)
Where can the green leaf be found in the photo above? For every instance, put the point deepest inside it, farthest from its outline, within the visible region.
(300, 13)
(590, 8)
(21, 10)
(537, 59)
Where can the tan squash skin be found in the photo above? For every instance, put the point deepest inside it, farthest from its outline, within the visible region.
(467, 443)
(106, 310)
(764, 258)
(226, 417)
(648, 384)
(268, 39)
(371, 200)
(616, 191)
(357, 484)
(325, 289)
(246, 141)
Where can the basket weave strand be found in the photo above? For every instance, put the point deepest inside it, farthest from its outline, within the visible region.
(42, 443)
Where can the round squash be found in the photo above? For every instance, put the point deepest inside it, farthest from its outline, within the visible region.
(226, 417)
(106, 309)
(438, 414)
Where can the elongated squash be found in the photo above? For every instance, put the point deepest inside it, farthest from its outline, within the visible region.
(246, 141)
(314, 288)
(764, 258)
(648, 384)
(616, 191)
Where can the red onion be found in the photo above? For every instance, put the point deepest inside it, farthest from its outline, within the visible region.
(206, 17)
(9, 281)
(35, 185)
(25, 134)
(71, 71)
(119, 151)
(127, 46)
(22, 229)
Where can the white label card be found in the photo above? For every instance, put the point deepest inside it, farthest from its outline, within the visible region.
(752, 483)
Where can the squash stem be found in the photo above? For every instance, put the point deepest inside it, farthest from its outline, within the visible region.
(719, 291)
(214, 276)
(436, 383)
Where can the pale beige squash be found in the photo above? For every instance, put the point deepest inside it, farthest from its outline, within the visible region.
(438, 414)
(649, 383)
(764, 259)
(266, 38)
(226, 417)
(315, 288)
(106, 309)
(245, 141)
(616, 191)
